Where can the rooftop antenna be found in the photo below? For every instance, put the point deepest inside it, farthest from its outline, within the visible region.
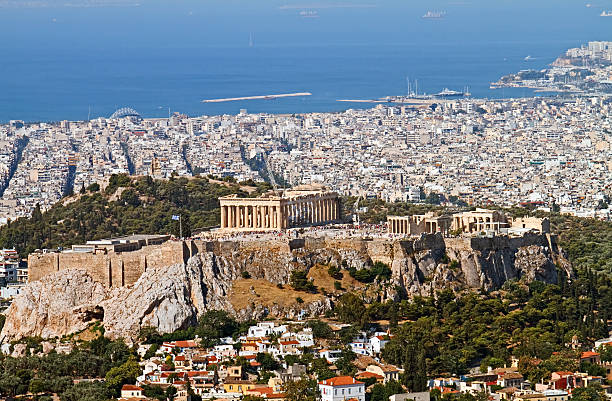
(89, 114)
(416, 83)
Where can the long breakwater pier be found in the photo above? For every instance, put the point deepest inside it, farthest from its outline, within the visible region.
(263, 97)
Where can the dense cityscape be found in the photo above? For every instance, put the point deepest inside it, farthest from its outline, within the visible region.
(470, 149)
(418, 247)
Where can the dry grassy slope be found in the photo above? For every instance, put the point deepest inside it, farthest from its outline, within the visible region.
(324, 282)
(262, 292)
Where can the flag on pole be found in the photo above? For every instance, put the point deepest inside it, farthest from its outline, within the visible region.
(176, 217)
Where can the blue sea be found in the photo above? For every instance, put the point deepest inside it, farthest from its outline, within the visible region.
(62, 62)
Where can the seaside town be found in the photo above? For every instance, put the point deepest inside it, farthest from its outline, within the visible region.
(547, 152)
(581, 70)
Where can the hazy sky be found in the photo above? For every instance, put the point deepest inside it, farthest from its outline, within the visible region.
(178, 23)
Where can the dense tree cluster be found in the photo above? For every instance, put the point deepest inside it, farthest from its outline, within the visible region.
(54, 372)
(380, 271)
(448, 334)
(127, 205)
(587, 241)
(300, 282)
(210, 327)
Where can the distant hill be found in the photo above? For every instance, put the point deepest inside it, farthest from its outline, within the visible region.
(128, 205)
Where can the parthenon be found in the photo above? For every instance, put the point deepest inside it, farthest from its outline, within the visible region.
(299, 206)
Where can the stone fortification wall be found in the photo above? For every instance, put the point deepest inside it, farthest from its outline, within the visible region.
(111, 269)
(416, 262)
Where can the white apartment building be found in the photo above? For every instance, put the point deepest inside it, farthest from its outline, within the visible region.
(342, 388)
(9, 263)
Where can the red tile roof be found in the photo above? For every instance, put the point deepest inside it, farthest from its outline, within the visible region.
(368, 375)
(130, 387)
(186, 344)
(589, 354)
(564, 373)
(340, 381)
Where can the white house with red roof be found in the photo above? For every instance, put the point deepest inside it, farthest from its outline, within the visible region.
(131, 391)
(290, 347)
(590, 357)
(342, 388)
(378, 342)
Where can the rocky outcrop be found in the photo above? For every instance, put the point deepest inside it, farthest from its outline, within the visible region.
(65, 304)
(172, 297)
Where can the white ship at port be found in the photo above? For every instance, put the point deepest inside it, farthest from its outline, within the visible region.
(434, 14)
(606, 14)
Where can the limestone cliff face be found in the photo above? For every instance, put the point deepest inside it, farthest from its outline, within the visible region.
(172, 297)
(65, 304)
(433, 262)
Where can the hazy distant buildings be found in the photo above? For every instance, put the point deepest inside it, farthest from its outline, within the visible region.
(539, 151)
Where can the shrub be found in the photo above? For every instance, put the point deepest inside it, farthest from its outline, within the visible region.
(95, 187)
(299, 281)
(334, 272)
(379, 270)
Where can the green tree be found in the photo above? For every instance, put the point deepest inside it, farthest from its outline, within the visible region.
(171, 392)
(267, 361)
(591, 393)
(124, 374)
(345, 362)
(300, 282)
(320, 329)
(350, 308)
(301, 390)
(87, 391)
(215, 324)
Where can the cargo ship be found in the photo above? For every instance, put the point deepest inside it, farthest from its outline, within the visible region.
(434, 14)
(309, 14)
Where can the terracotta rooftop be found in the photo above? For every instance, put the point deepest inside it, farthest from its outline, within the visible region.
(130, 387)
(340, 381)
